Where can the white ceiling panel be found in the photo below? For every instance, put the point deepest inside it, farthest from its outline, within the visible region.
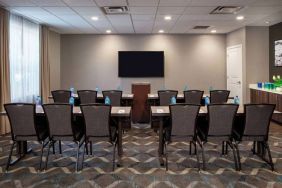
(102, 3)
(143, 10)
(11, 3)
(198, 10)
(143, 3)
(145, 16)
(85, 3)
(48, 2)
(170, 10)
(88, 11)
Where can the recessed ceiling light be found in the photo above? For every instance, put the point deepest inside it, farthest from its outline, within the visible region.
(213, 31)
(161, 31)
(108, 31)
(240, 17)
(167, 17)
(267, 22)
(95, 18)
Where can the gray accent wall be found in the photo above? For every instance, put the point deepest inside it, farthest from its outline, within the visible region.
(88, 61)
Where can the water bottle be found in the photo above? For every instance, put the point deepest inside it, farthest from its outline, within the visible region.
(173, 100)
(72, 91)
(186, 88)
(236, 100)
(38, 101)
(207, 100)
(107, 100)
(71, 100)
(97, 89)
(210, 88)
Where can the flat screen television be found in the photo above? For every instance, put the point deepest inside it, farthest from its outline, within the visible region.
(141, 64)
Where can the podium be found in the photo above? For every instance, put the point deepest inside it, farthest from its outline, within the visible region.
(140, 108)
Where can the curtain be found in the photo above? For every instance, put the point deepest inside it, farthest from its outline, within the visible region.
(4, 69)
(24, 59)
(45, 65)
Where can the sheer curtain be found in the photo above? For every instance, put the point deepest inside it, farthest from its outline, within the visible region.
(24, 59)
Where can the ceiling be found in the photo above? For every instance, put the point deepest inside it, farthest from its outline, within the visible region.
(146, 16)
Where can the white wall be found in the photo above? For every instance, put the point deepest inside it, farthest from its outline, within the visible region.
(88, 61)
(54, 60)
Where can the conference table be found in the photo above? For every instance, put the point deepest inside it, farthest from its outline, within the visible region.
(163, 112)
(127, 98)
(119, 113)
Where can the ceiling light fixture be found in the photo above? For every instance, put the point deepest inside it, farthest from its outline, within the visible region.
(108, 31)
(95, 18)
(161, 31)
(167, 17)
(213, 31)
(267, 22)
(240, 17)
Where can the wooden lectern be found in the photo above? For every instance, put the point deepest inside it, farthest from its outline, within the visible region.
(140, 108)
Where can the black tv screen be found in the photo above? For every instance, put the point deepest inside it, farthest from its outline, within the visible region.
(141, 64)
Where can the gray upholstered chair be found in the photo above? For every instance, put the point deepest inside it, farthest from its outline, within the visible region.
(183, 122)
(24, 127)
(219, 96)
(256, 129)
(61, 96)
(61, 127)
(193, 96)
(87, 96)
(165, 96)
(97, 126)
(114, 95)
(220, 124)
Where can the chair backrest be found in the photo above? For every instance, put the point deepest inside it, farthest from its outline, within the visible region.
(183, 119)
(22, 119)
(165, 96)
(221, 118)
(61, 96)
(87, 96)
(258, 118)
(193, 96)
(59, 117)
(219, 96)
(97, 119)
(114, 95)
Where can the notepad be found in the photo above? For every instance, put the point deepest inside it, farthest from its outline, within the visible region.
(121, 111)
(160, 111)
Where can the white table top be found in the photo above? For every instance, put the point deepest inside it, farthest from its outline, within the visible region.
(100, 96)
(179, 95)
(116, 111)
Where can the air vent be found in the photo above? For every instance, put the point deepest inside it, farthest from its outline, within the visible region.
(201, 27)
(116, 10)
(226, 10)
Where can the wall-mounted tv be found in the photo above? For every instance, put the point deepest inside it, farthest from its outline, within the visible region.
(278, 53)
(141, 64)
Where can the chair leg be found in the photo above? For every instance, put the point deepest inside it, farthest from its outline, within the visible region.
(114, 156)
(269, 156)
(53, 146)
(226, 148)
(77, 157)
(10, 156)
(84, 148)
(203, 156)
(41, 155)
(190, 148)
(222, 152)
(198, 158)
(234, 155)
(91, 153)
(166, 157)
(254, 147)
(49, 145)
(238, 156)
(60, 146)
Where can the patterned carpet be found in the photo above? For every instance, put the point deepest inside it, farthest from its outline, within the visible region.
(141, 166)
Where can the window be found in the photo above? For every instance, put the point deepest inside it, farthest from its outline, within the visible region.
(24, 59)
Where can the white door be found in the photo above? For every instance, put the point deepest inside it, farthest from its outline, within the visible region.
(235, 71)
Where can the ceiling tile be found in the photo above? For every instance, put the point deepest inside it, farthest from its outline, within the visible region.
(174, 3)
(60, 10)
(143, 3)
(143, 26)
(11, 3)
(48, 3)
(102, 3)
(79, 3)
(198, 10)
(140, 17)
(103, 24)
(88, 11)
(221, 2)
(121, 23)
(170, 10)
(268, 3)
(143, 10)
